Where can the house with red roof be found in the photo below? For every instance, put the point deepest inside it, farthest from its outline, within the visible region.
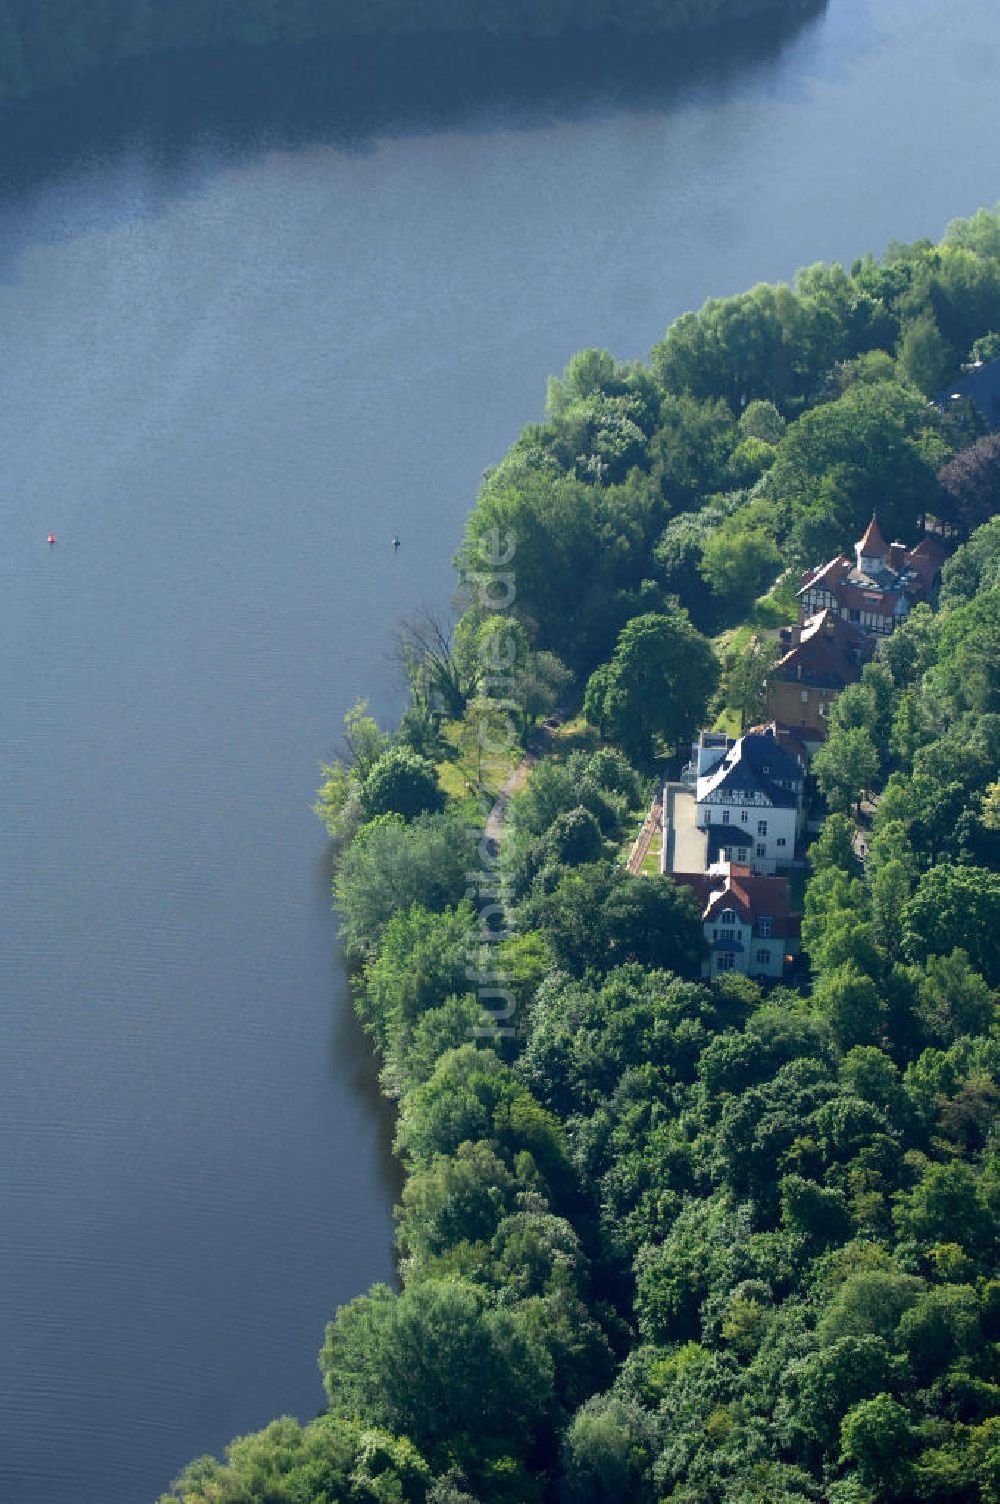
(747, 920)
(820, 657)
(875, 591)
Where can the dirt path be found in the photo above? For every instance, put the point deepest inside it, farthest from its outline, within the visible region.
(498, 814)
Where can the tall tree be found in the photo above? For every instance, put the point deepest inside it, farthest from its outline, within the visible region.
(658, 683)
(845, 766)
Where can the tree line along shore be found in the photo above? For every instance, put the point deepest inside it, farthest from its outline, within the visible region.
(670, 1238)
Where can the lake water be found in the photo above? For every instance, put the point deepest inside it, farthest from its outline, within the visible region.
(253, 324)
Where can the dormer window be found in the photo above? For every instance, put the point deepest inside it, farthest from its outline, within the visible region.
(728, 916)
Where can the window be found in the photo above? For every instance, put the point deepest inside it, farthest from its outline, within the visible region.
(763, 957)
(761, 849)
(781, 841)
(762, 827)
(728, 916)
(727, 936)
(764, 926)
(744, 815)
(725, 817)
(805, 697)
(725, 961)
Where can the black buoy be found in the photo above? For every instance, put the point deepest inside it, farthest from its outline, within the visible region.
(395, 542)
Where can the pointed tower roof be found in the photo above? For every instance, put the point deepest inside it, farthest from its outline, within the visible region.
(873, 545)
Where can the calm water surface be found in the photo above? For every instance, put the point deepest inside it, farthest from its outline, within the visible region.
(245, 340)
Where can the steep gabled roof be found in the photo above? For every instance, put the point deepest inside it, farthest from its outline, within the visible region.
(755, 765)
(787, 737)
(874, 599)
(828, 575)
(926, 560)
(751, 897)
(913, 573)
(765, 754)
(873, 545)
(829, 653)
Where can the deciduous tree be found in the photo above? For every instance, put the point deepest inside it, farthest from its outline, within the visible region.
(658, 683)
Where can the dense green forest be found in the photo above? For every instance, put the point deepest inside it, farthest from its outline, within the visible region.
(665, 1241)
(48, 42)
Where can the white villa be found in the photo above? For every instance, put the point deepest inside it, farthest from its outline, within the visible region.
(747, 922)
(749, 799)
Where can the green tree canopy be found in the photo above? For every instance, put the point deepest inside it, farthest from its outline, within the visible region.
(870, 450)
(737, 564)
(435, 1364)
(956, 907)
(658, 683)
(391, 866)
(845, 766)
(400, 782)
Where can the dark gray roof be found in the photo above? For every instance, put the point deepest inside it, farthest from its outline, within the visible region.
(758, 765)
(730, 835)
(981, 387)
(724, 838)
(768, 757)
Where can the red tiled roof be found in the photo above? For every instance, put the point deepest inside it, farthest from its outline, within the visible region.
(926, 560)
(930, 548)
(701, 885)
(829, 651)
(829, 573)
(881, 602)
(873, 545)
(751, 896)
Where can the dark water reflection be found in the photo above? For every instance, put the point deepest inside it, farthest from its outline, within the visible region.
(254, 321)
(246, 99)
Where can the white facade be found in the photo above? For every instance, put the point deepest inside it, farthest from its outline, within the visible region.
(736, 945)
(772, 829)
(754, 789)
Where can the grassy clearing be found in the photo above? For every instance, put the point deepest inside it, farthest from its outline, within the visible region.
(573, 736)
(727, 721)
(651, 861)
(771, 612)
(469, 768)
(732, 640)
(766, 619)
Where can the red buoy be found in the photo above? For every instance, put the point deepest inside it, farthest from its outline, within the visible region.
(52, 539)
